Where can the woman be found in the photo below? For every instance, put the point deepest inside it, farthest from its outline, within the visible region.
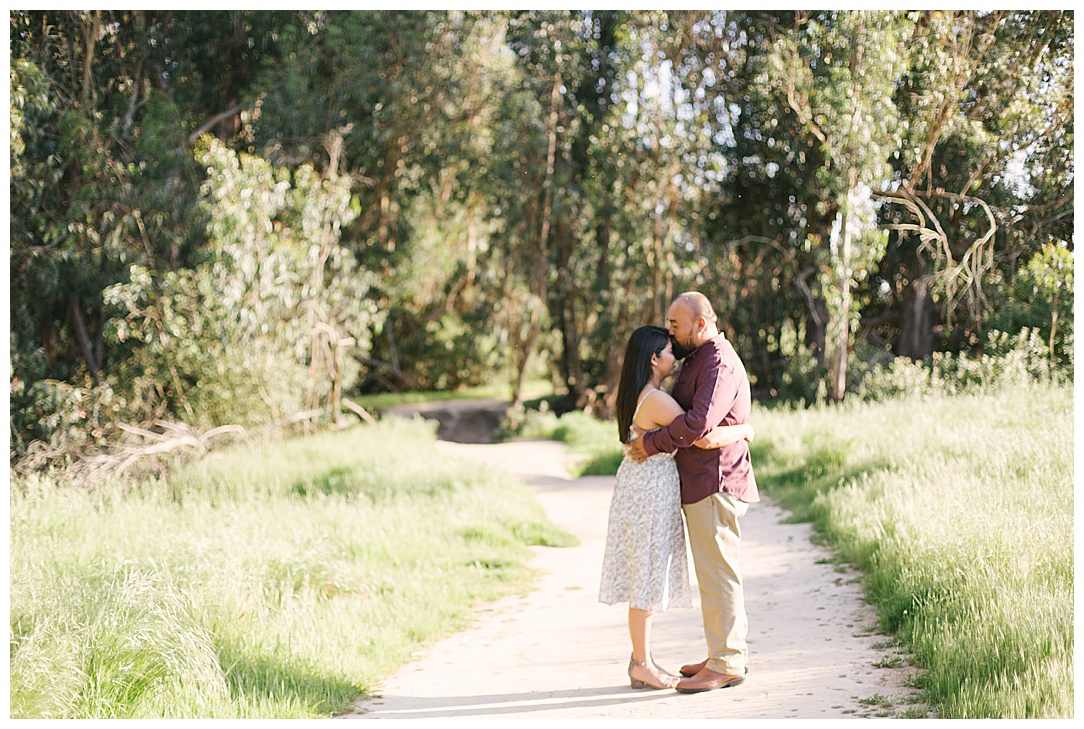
(645, 562)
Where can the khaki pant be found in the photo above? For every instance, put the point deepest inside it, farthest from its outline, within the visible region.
(715, 541)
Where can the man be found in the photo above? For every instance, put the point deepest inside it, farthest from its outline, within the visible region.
(717, 486)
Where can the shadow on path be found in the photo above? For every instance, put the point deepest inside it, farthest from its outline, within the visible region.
(458, 421)
(504, 704)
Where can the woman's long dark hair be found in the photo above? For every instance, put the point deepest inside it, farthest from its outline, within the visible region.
(635, 373)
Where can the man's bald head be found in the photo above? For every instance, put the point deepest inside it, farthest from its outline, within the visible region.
(697, 304)
(692, 322)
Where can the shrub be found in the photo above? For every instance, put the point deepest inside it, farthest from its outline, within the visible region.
(269, 324)
(1007, 360)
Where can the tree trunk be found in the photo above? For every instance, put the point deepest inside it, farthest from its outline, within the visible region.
(841, 325)
(547, 186)
(539, 252)
(523, 357)
(91, 28)
(817, 319)
(335, 398)
(1053, 323)
(917, 320)
(84, 341)
(566, 295)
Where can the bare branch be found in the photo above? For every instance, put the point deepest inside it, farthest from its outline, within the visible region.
(210, 123)
(800, 280)
(972, 264)
(358, 409)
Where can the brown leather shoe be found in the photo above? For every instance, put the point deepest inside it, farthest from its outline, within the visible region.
(706, 680)
(691, 669)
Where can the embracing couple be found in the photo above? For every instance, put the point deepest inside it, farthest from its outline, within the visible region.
(685, 451)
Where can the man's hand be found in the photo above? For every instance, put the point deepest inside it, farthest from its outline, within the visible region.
(636, 451)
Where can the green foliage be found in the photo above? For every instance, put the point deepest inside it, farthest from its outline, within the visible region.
(802, 379)
(291, 582)
(233, 340)
(193, 359)
(512, 192)
(102, 180)
(29, 101)
(1040, 297)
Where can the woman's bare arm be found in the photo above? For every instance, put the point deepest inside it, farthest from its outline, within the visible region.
(725, 435)
(661, 409)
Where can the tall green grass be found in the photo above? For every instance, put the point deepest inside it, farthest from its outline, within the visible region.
(273, 581)
(959, 511)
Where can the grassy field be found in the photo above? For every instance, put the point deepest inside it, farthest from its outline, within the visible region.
(960, 513)
(280, 580)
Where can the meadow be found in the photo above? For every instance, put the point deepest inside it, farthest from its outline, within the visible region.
(959, 512)
(285, 579)
(273, 580)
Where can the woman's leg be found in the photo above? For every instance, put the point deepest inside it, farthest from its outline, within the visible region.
(642, 669)
(640, 633)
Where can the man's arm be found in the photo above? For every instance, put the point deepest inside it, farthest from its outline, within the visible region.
(714, 396)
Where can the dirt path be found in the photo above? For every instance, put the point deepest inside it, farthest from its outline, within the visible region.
(558, 653)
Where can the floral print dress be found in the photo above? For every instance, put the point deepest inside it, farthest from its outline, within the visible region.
(645, 562)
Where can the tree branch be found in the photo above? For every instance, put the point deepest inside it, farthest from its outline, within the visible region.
(210, 123)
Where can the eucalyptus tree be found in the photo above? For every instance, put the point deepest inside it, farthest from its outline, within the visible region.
(985, 177)
(74, 227)
(261, 329)
(983, 106)
(117, 98)
(838, 73)
(573, 67)
(634, 193)
(616, 176)
(609, 252)
(105, 103)
(401, 101)
(533, 167)
(759, 198)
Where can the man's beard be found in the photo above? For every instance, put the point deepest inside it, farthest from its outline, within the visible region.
(681, 351)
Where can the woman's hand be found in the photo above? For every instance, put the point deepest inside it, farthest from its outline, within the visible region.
(725, 435)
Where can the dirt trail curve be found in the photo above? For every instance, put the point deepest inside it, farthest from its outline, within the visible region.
(557, 653)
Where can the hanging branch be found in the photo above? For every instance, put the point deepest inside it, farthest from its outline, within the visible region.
(976, 260)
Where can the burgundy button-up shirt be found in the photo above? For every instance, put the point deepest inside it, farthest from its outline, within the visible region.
(713, 389)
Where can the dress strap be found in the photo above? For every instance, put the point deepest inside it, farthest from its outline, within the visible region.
(637, 410)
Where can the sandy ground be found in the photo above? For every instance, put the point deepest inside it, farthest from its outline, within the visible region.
(557, 653)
